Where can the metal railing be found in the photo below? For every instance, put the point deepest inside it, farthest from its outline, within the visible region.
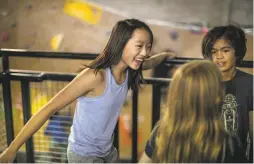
(25, 77)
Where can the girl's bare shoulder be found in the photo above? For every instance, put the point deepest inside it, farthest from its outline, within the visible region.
(93, 77)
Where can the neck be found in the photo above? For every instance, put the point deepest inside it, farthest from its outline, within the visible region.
(119, 69)
(226, 76)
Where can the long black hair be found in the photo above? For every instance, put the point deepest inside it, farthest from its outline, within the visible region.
(112, 53)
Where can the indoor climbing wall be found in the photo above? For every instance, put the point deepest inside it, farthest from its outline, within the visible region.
(81, 26)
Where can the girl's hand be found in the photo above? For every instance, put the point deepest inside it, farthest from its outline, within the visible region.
(7, 156)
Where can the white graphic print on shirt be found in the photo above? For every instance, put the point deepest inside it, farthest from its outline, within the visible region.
(230, 114)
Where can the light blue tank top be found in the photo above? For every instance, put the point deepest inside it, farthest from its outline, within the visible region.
(95, 119)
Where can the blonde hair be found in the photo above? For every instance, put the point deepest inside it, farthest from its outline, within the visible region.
(190, 129)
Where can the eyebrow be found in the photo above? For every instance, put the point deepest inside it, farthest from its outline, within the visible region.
(139, 41)
(222, 48)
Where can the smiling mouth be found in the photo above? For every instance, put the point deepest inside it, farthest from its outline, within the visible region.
(138, 60)
(221, 64)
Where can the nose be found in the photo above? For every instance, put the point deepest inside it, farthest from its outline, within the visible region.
(143, 52)
(219, 55)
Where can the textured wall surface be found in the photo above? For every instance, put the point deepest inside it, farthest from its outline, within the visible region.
(31, 25)
(214, 12)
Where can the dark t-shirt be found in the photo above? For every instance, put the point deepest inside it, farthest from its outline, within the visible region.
(237, 104)
(233, 152)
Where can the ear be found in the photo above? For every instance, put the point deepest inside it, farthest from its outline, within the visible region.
(238, 60)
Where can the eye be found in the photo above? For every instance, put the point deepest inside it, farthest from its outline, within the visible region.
(149, 47)
(139, 46)
(226, 51)
(213, 52)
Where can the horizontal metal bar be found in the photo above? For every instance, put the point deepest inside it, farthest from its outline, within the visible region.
(150, 80)
(50, 157)
(40, 76)
(47, 54)
(246, 64)
(90, 56)
(24, 76)
(41, 161)
(183, 60)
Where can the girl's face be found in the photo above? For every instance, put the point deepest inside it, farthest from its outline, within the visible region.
(223, 55)
(137, 49)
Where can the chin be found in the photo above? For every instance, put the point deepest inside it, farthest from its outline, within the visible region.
(134, 67)
(225, 69)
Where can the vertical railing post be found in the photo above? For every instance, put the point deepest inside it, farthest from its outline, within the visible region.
(116, 136)
(156, 106)
(7, 100)
(134, 126)
(26, 105)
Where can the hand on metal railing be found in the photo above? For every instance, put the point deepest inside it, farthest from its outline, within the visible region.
(156, 59)
(170, 55)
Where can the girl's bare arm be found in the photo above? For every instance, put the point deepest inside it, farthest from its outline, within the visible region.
(157, 59)
(80, 85)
